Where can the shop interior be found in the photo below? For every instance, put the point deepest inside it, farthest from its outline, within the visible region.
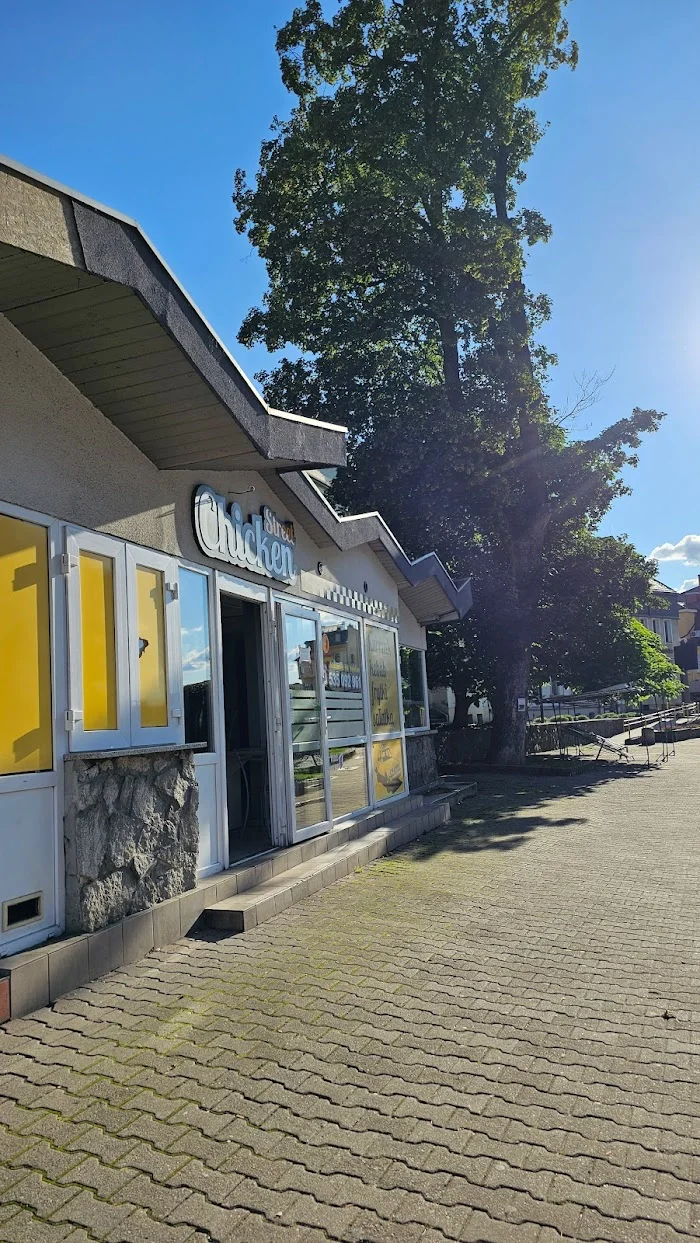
(247, 780)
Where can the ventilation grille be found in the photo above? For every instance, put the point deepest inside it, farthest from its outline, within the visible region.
(19, 911)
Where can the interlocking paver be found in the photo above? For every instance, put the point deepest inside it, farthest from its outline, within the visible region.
(463, 1041)
(24, 1227)
(98, 1216)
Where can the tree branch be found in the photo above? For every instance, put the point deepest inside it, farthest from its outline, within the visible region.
(590, 387)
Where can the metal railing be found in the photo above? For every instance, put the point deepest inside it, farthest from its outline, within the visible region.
(668, 718)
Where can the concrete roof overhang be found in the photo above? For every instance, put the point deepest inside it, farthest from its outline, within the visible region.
(84, 284)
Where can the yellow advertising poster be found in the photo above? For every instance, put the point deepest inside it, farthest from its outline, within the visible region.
(387, 757)
(383, 681)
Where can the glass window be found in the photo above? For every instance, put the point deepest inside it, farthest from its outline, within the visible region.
(25, 659)
(348, 773)
(305, 712)
(98, 651)
(196, 657)
(125, 676)
(387, 763)
(345, 713)
(153, 679)
(383, 681)
(342, 677)
(98, 641)
(415, 713)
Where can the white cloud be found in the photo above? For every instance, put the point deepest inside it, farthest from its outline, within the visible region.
(195, 664)
(194, 659)
(687, 584)
(687, 550)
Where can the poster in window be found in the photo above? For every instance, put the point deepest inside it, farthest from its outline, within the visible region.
(383, 681)
(387, 757)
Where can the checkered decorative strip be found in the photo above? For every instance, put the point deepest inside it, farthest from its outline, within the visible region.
(335, 593)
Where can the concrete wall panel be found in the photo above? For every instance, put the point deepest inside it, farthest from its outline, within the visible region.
(62, 457)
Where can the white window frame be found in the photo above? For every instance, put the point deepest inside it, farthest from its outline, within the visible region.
(77, 541)
(308, 613)
(418, 729)
(129, 733)
(174, 732)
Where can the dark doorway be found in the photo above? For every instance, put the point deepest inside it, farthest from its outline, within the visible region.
(246, 735)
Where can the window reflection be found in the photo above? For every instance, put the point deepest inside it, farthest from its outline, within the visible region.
(348, 769)
(413, 688)
(196, 657)
(342, 677)
(305, 712)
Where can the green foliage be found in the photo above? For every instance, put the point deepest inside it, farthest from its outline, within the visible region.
(652, 671)
(388, 211)
(589, 587)
(621, 649)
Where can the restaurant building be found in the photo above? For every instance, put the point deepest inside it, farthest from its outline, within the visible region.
(200, 660)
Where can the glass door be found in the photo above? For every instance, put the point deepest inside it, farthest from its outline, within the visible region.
(306, 722)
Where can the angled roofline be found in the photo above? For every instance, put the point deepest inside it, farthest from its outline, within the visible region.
(113, 247)
(32, 175)
(351, 530)
(107, 255)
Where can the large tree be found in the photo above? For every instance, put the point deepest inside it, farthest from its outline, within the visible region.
(586, 636)
(388, 211)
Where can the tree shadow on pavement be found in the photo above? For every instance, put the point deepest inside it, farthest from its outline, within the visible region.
(495, 819)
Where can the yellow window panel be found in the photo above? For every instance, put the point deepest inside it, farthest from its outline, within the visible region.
(98, 641)
(25, 648)
(383, 681)
(153, 673)
(389, 779)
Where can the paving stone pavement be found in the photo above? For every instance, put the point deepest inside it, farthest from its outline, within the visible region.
(491, 1035)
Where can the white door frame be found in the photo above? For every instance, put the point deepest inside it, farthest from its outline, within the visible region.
(229, 584)
(208, 758)
(290, 608)
(59, 700)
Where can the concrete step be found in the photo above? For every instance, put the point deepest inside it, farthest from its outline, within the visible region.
(261, 902)
(253, 872)
(35, 978)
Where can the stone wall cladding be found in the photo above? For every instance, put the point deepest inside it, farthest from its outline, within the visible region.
(421, 760)
(131, 834)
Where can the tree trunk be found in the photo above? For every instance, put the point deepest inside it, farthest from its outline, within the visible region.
(507, 745)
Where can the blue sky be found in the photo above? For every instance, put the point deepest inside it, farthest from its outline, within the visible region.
(150, 106)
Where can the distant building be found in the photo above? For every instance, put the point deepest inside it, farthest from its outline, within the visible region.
(687, 653)
(661, 616)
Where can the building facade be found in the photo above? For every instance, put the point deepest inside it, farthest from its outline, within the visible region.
(200, 661)
(662, 617)
(687, 653)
